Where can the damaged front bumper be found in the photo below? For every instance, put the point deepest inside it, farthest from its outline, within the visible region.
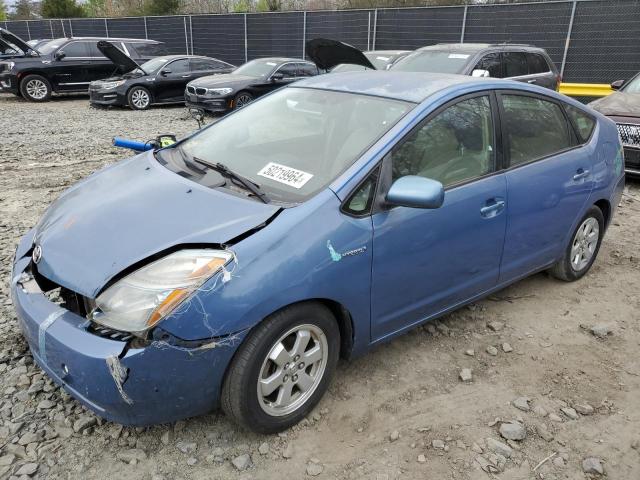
(160, 382)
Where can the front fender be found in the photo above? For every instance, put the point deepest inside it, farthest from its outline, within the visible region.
(310, 251)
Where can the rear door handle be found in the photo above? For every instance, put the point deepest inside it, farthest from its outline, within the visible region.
(580, 174)
(492, 208)
(186, 76)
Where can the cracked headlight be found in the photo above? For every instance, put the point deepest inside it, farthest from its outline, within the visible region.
(219, 91)
(140, 300)
(112, 85)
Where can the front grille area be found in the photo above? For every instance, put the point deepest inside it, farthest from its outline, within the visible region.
(191, 89)
(632, 158)
(201, 91)
(629, 134)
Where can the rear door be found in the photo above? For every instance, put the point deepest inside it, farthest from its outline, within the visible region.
(541, 72)
(548, 177)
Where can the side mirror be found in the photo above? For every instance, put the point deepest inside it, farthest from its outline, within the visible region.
(276, 77)
(480, 73)
(617, 85)
(60, 55)
(165, 72)
(416, 192)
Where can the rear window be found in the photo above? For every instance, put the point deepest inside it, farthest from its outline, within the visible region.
(583, 122)
(535, 128)
(148, 50)
(537, 63)
(515, 64)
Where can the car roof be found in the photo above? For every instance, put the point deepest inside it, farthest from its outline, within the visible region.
(477, 47)
(388, 52)
(109, 39)
(408, 86)
(281, 59)
(174, 57)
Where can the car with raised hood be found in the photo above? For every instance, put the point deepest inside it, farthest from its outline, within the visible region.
(335, 56)
(222, 93)
(236, 266)
(67, 65)
(12, 46)
(623, 107)
(161, 80)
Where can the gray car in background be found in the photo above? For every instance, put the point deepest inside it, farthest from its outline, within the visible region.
(523, 63)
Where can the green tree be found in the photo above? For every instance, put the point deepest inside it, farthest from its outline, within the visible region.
(23, 10)
(61, 9)
(3, 10)
(269, 5)
(162, 7)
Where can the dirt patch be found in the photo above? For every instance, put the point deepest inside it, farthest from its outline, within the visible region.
(400, 412)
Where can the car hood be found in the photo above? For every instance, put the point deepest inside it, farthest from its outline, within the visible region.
(328, 53)
(123, 61)
(9, 37)
(618, 103)
(129, 212)
(223, 80)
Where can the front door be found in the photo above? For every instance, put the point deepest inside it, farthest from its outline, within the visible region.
(172, 80)
(71, 73)
(427, 261)
(549, 180)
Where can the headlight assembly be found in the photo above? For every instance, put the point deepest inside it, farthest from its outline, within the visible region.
(219, 91)
(111, 85)
(140, 300)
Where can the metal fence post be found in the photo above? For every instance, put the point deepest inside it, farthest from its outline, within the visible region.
(375, 28)
(70, 27)
(566, 43)
(191, 32)
(64, 34)
(464, 23)
(51, 28)
(304, 32)
(146, 32)
(369, 32)
(28, 30)
(246, 44)
(106, 28)
(186, 37)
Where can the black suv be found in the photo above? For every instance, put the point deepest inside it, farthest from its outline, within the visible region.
(68, 65)
(523, 63)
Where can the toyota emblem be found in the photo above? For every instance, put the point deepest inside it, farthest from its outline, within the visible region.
(37, 254)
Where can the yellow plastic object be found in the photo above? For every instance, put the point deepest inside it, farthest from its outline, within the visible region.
(586, 89)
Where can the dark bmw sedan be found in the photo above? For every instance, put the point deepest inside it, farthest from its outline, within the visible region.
(221, 93)
(623, 107)
(159, 81)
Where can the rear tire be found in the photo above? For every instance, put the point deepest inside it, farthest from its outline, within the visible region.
(282, 369)
(35, 88)
(582, 249)
(139, 98)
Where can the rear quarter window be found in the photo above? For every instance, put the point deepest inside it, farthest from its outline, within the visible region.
(148, 50)
(583, 122)
(537, 63)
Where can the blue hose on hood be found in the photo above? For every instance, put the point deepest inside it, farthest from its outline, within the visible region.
(133, 144)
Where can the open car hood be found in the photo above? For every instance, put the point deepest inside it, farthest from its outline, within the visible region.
(123, 61)
(327, 53)
(7, 37)
(130, 212)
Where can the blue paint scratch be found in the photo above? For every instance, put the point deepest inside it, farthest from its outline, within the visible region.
(335, 256)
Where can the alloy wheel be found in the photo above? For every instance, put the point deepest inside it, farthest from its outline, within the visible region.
(140, 99)
(242, 100)
(36, 89)
(584, 244)
(292, 370)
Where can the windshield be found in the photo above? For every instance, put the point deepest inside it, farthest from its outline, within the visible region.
(292, 143)
(153, 65)
(633, 86)
(438, 61)
(256, 68)
(50, 47)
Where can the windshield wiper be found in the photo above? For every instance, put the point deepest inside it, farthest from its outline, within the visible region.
(192, 165)
(223, 170)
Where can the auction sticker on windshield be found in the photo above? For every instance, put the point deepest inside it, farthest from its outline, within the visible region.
(287, 175)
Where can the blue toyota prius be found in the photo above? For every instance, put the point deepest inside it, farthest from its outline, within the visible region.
(237, 266)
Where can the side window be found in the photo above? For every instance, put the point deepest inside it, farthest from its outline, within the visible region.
(535, 128)
(454, 146)
(289, 70)
(199, 64)
(361, 200)
(147, 50)
(95, 53)
(515, 64)
(76, 49)
(307, 70)
(537, 64)
(179, 66)
(583, 122)
(492, 63)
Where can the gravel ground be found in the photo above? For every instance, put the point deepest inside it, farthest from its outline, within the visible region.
(547, 398)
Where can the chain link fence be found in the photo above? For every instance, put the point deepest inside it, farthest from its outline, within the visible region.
(592, 41)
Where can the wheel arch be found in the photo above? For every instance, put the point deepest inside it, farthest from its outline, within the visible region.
(605, 207)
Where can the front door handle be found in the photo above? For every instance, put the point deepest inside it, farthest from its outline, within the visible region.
(580, 174)
(532, 81)
(492, 208)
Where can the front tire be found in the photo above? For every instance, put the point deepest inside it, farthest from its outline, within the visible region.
(35, 88)
(282, 369)
(583, 248)
(242, 99)
(139, 98)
